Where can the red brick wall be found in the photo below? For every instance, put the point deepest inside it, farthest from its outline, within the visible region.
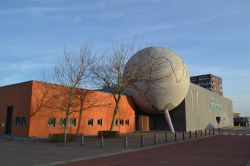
(96, 105)
(18, 96)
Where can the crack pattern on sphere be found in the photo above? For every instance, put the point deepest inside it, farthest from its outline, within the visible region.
(183, 70)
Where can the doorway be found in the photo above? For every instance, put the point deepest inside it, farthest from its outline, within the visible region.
(9, 120)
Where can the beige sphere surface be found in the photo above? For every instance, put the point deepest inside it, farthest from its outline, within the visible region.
(158, 79)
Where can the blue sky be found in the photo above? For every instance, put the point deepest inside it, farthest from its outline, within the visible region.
(213, 36)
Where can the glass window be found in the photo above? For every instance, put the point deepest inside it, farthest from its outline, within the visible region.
(52, 122)
(23, 121)
(127, 122)
(116, 122)
(18, 121)
(121, 122)
(62, 121)
(99, 122)
(72, 121)
(90, 122)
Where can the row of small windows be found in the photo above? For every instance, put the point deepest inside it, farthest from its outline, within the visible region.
(21, 121)
(99, 122)
(62, 122)
(72, 122)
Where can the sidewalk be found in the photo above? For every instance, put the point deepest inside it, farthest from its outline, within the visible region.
(42, 152)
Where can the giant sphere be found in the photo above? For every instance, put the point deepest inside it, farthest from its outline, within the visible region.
(158, 79)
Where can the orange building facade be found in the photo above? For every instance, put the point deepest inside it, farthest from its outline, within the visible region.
(37, 109)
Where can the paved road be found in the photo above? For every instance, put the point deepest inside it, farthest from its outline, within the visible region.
(238, 132)
(215, 151)
(42, 152)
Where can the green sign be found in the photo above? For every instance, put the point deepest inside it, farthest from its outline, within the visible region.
(214, 105)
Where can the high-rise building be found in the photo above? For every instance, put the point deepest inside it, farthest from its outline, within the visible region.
(209, 81)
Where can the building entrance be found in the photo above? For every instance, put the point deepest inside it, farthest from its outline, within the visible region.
(9, 120)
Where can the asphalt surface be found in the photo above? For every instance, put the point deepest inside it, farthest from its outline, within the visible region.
(240, 131)
(213, 151)
(42, 152)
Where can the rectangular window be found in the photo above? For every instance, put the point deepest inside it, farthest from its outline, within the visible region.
(99, 122)
(23, 121)
(121, 122)
(90, 122)
(72, 122)
(52, 122)
(18, 121)
(127, 122)
(62, 121)
(116, 122)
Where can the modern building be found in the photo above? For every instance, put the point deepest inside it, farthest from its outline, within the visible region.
(30, 109)
(201, 109)
(36, 109)
(209, 81)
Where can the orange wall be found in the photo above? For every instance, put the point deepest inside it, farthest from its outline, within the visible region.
(18, 96)
(96, 105)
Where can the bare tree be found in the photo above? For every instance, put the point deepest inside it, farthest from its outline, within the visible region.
(118, 75)
(107, 74)
(71, 72)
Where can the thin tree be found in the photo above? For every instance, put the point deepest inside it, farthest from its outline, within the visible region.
(107, 74)
(71, 72)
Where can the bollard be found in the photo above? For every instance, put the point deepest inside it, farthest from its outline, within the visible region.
(155, 139)
(201, 133)
(222, 131)
(175, 136)
(195, 133)
(213, 131)
(126, 142)
(218, 130)
(142, 140)
(190, 134)
(166, 137)
(205, 132)
(82, 139)
(101, 142)
(183, 135)
(208, 131)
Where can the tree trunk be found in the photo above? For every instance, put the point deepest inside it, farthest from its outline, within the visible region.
(117, 103)
(66, 127)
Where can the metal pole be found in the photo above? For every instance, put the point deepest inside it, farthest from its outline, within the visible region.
(213, 131)
(201, 133)
(208, 131)
(166, 137)
(175, 137)
(126, 142)
(190, 134)
(155, 139)
(183, 135)
(101, 142)
(195, 133)
(82, 139)
(142, 140)
(168, 119)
